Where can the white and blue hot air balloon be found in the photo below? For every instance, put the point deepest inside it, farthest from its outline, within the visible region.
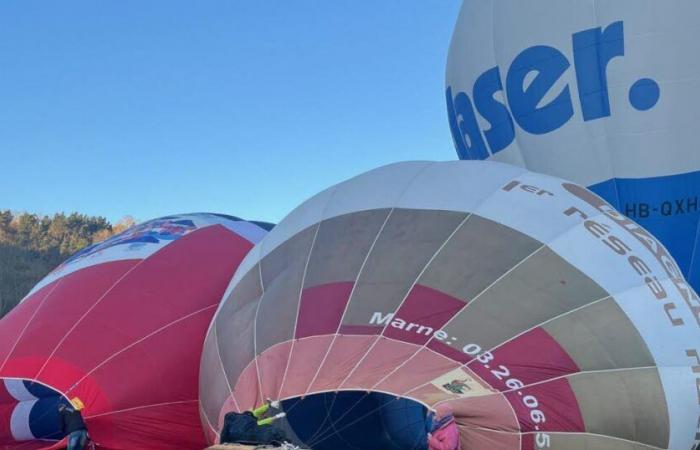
(605, 93)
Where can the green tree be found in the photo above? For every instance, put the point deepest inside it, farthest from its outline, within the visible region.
(32, 245)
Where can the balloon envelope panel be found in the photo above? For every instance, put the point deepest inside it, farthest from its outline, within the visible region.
(120, 325)
(601, 93)
(539, 313)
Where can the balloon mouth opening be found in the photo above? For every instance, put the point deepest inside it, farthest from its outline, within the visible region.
(357, 419)
(33, 410)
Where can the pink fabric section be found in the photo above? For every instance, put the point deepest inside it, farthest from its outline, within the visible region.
(446, 438)
(533, 357)
(344, 354)
(429, 394)
(246, 391)
(424, 311)
(385, 356)
(555, 399)
(272, 364)
(420, 368)
(488, 440)
(306, 356)
(486, 411)
(321, 309)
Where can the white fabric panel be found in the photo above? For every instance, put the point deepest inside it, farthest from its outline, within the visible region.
(19, 422)
(122, 252)
(659, 43)
(443, 186)
(18, 390)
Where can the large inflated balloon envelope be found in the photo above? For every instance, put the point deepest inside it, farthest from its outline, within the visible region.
(540, 314)
(601, 93)
(121, 325)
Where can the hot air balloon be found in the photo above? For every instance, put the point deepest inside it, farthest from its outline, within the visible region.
(603, 93)
(120, 325)
(540, 314)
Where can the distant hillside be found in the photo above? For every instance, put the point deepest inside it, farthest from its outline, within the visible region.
(32, 245)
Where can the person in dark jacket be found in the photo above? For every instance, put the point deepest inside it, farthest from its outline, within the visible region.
(72, 424)
(253, 427)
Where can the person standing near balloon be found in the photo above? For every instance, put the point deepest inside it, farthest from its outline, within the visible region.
(72, 424)
(444, 434)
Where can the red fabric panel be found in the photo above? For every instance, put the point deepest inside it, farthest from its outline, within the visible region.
(70, 298)
(6, 408)
(555, 399)
(167, 427)
(424, 307)
(183, 277)
(5, 396)
(532, 357)
(444, 348)
(322, 308)
(12, 325)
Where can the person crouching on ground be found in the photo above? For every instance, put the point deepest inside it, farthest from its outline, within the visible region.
(444, 434)
(72, 424)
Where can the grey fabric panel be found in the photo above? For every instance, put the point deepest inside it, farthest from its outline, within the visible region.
(293, 251)
(235, 336)
(234, 324)
(541, 288)
(213, 388)
(629, 404)
(572, 441)
(247, 290)
(278, 307)
(480, 251)
(406, 244)
(601, 336)
(341, 245)
(282, 274)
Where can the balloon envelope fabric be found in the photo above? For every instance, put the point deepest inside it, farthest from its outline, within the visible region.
(601, 93)
(121, 325)
(539, 313)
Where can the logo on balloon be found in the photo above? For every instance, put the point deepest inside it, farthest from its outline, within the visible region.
(528, 82)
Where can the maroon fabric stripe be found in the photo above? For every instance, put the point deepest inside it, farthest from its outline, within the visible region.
(322, 308)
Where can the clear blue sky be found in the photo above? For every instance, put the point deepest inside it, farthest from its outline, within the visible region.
(242, 107)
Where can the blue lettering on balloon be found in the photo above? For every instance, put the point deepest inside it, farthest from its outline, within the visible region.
(593, 50)
(465, 128)
(501, 133)
(548, 64)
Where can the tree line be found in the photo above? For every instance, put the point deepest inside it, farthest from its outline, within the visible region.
(32, 245)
